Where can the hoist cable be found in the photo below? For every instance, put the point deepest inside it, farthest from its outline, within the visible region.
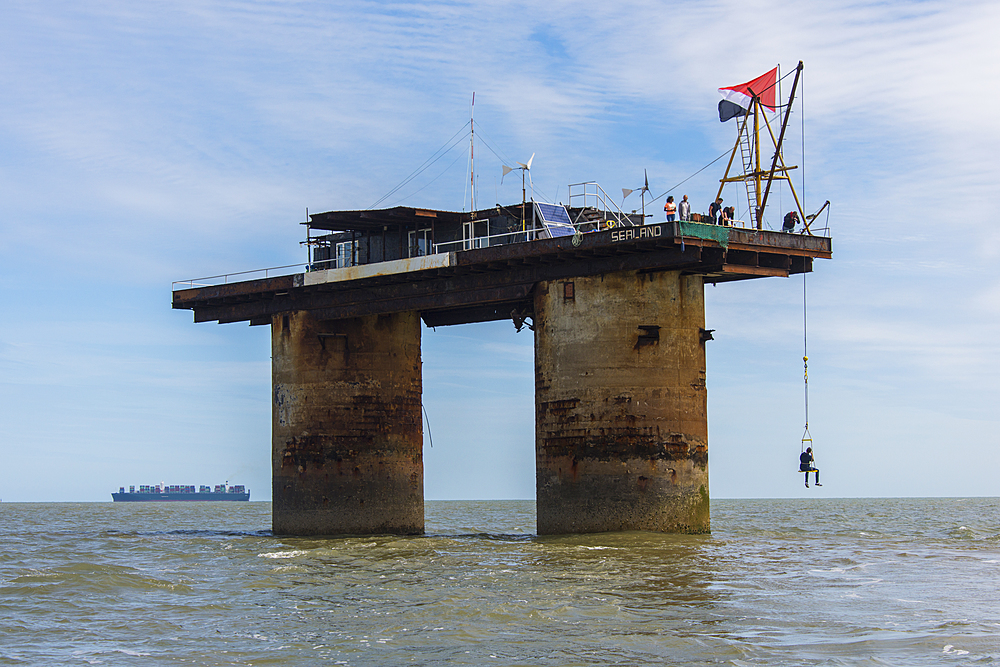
(806, 436)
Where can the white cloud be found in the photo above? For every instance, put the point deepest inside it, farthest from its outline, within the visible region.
(167, 140)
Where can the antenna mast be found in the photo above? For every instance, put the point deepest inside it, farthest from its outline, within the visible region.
(472, 156)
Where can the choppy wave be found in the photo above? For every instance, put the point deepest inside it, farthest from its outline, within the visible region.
(778, 582)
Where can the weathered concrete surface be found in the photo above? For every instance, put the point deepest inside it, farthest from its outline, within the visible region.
(621, 426)
(347, 433)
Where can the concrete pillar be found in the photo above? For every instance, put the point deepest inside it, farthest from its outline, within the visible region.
(621, 421)
(347, 436)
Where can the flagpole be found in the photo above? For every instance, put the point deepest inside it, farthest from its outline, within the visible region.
(781, 137)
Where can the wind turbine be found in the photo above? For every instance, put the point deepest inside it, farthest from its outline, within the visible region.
(642, 193)
(524, 193)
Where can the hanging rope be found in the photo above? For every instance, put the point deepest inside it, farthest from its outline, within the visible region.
(428, 420)
(806, 436)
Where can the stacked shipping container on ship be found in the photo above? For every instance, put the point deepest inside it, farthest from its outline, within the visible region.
(180, 493)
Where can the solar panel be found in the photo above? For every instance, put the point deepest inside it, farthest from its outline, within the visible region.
(555, 219)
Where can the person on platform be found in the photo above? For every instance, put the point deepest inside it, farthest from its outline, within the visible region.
(671, 208)
(728, 213)
(806, 465)
(791, 219)
(714, 209)
(684, 209)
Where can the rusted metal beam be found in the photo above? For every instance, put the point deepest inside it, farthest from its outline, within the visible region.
(464, 290)
(754, 270)
(495, 295)
(231, 289)
(484, 313)
(390, 296)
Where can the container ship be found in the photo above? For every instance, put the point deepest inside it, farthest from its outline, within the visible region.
(177, 493)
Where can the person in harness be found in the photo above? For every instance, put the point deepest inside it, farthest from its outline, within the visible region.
(806, 465)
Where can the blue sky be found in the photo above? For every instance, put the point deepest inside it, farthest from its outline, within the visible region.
(160, 141)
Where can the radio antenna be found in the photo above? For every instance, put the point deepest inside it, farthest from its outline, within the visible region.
(472, 157)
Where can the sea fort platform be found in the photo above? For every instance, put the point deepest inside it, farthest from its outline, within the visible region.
(616, 308)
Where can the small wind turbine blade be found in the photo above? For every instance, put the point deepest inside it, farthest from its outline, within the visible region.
(523, 166)
(626, 192)
(506, 170)
(646, 184)
(528, 166)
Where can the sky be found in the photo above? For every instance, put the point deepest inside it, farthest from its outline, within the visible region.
(143, 143)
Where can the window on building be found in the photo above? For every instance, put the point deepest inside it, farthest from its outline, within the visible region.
(420, 242)
(347, 254)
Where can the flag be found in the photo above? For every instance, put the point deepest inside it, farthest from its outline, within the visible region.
(736, 100)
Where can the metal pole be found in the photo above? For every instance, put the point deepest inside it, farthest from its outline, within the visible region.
(756, 167)
(472, 156)
(524, 199)
(781, 137)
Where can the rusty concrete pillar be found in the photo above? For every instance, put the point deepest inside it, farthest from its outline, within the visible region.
(347, 436)
(621, 421)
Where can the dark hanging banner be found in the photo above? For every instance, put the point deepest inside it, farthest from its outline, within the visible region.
(729, 110)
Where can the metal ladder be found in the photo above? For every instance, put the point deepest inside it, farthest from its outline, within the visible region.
(746, 153)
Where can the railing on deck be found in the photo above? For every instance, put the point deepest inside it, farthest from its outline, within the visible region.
(486, 241)
(752, 227)
(212, 281)
(582, 194)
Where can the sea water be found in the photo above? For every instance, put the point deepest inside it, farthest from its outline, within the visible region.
(778, 582)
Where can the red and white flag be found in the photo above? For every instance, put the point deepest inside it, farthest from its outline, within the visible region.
(740, 98)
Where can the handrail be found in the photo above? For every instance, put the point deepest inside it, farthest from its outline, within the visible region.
(603, 202)
(222, 279)
(745, 225)
(476, 241)
(201, 282)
